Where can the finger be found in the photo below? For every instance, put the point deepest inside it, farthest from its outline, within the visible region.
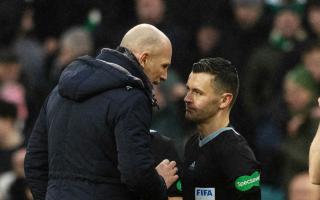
(319, 101)
(172, 164)
(175, 170)
(165, 161)
(174, 178)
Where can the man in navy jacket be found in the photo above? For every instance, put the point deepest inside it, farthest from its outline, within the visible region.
(91, 138)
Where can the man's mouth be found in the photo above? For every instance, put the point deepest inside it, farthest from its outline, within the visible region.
(155, 82)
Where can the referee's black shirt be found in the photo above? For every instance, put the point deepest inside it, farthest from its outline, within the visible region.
(221, 166)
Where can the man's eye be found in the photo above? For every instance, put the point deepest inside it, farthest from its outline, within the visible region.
(165, 66)
(197, 92)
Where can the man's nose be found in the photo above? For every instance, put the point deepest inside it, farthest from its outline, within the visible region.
(164, 75)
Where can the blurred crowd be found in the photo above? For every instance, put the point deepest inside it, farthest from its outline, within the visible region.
(275, 45)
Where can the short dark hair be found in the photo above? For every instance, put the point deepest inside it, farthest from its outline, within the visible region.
(226, 75)
(8, 110)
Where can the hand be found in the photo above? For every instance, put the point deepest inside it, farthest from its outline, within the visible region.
(168, 171)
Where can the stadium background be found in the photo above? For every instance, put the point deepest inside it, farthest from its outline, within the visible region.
(273, 43)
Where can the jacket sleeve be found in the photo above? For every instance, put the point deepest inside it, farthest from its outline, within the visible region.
(164, 148)
(135, 160)
(36, 160)
(241, 168)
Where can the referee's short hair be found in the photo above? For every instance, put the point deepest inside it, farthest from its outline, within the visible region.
(226, 75)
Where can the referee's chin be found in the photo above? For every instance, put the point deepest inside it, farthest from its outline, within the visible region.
(190, 117)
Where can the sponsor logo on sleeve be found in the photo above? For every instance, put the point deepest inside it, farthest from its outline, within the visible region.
(204, 193)
(179, 185)
(245, 183)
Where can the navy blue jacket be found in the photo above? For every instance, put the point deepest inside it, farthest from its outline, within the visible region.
(164, 148)
(91, 138)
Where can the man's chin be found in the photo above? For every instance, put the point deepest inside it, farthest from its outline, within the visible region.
(189, 117)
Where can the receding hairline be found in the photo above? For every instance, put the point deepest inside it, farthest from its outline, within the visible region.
(144, 37)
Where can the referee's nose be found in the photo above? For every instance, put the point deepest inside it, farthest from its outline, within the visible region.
(188, 99)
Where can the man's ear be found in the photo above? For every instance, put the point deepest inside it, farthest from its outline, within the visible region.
(226, 100)
(142, 58)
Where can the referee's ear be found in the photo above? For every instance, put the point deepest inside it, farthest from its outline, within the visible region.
(225, 101)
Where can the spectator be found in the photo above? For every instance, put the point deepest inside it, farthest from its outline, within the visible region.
(300, 92)
(74, 42)
(10, 137)
(313, 19)
(310, 58)
(262, 85)
(11, 88)
(248, 29)
(155, 12)
(208, 41)
(13, 185)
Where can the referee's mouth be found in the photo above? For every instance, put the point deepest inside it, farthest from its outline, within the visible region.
(189, 109)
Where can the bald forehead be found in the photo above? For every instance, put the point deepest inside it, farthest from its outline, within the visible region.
(144, 37)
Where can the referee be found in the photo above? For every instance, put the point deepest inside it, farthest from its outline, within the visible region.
(218, 163)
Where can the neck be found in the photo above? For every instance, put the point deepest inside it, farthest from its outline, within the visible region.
(213, 124)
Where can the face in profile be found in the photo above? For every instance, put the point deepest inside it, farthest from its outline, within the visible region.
(156, 64)
(202, 100)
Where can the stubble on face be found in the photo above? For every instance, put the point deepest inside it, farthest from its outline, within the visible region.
(201, 101)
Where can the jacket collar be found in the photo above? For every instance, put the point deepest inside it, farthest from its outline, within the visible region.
(125, 58)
